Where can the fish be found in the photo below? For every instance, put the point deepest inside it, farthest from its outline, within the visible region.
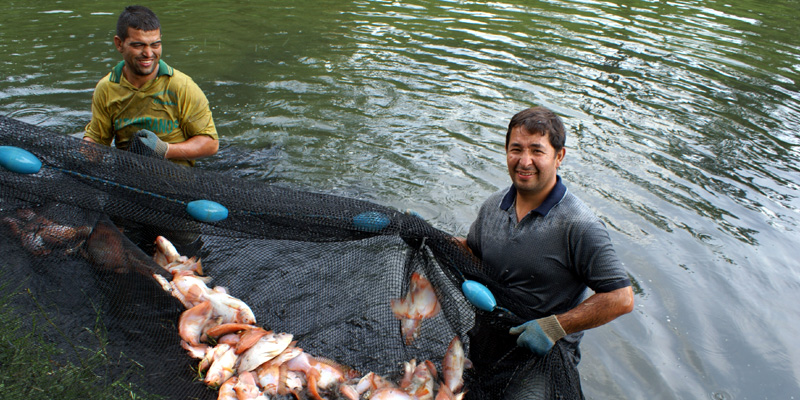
(229, 338)
(267, 347)
(212, 354)
(165, 252)
(247, 389)
(320, 373)
(226, 390)
(222, 368)
(368, 384)
(198, 351)
(422, 381)
(57, 234)
(295, 382)
(445, 393)
(193, 322)
(189, 288)
(224, 329)
(110, 251)
(227, 307)
(453, 365)
(249, 338)
(272, 375)
(168, 257)
(390, 394)
(419, 303)
(40, 235)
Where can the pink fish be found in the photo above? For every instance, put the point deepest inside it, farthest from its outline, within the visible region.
(222, 368)
(390, 394)
(165, 252)
(266, 348)
(453, 366)
(366, 386)
(193, 322)
(247, 389)
(272, 374)
(320, 373)
(420, 303)
(226, 391)
(422, 381)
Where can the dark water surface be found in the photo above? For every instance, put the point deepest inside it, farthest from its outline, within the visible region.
(683, 121)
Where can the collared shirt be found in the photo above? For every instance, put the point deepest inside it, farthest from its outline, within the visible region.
(549, 258)
(555, 195)
(171, 105)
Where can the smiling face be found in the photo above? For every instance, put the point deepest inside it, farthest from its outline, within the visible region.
(141, 51)
(532, 163)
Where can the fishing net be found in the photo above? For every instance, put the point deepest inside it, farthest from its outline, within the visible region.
(77, 237)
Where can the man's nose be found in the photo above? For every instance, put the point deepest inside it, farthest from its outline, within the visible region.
(526, 159)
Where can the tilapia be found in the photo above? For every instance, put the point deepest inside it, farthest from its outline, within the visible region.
(420, 303)
(267, 347)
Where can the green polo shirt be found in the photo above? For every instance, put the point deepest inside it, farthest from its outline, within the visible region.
(171, 105)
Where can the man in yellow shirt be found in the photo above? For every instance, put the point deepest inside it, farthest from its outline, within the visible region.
(144, 96)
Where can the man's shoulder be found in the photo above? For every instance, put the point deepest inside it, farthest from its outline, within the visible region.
(572, 211)
(105, 81)
(181, 82)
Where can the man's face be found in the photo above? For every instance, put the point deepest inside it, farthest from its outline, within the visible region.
(532, 161)
(141, 51)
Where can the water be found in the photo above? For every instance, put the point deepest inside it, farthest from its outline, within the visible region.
(683, 123)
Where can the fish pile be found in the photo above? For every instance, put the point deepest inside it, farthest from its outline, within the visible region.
(245, 361)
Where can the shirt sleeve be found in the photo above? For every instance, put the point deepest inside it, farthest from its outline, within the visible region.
(99, 127)
(195, 114)
(596, 259)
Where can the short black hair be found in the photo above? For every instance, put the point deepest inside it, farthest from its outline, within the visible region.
(540, 120)
(136, 17)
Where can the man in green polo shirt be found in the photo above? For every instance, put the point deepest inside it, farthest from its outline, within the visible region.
(144, 96)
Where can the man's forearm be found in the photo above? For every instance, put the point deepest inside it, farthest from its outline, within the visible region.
(194, 147)
(598, 309)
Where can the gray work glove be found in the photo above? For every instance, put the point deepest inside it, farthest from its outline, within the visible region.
(152, 141)
(539, 335)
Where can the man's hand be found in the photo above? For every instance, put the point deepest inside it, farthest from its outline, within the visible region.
(538, 335)
(152, 141)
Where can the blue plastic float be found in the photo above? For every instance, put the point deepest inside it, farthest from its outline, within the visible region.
(207, 211)
(480, 296)
(371, 221)
(19, 160)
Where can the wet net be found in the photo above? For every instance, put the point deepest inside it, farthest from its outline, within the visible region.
(77, 244)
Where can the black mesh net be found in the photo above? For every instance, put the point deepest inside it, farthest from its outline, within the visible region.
(77, 240)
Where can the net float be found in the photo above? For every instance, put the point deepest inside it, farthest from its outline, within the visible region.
(207, 211)
(19, 160)
(479, 295)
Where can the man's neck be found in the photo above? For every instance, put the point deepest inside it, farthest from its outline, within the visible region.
(524, 202)
(138, 80)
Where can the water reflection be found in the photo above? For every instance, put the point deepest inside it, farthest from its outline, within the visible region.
(683, 120)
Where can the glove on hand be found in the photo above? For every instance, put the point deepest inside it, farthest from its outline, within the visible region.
(152, 141)
(539, 335)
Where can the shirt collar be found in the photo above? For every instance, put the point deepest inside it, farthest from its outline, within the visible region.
(549, 202)
(116, 73)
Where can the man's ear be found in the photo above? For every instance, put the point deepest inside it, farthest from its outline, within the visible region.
(560, 156)
(118, 43)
